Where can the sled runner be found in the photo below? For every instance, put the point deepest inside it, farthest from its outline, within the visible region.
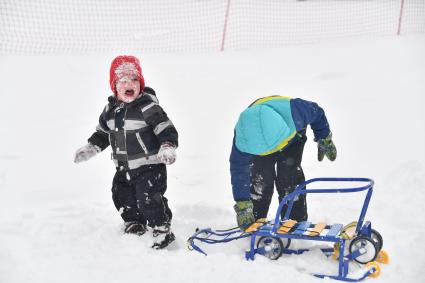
(273, 238)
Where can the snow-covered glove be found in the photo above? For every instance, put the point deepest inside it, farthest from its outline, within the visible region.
(167, 153)
(86, 152)
(244, 213)
(326, 147)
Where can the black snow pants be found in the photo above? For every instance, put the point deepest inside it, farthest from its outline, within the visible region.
(138, 195)
(282, 168)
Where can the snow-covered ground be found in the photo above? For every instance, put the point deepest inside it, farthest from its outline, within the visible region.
(57, 219)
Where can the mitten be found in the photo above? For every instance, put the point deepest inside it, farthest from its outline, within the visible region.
(244, 213)
(167, 153)
(326, 147)
(86, 152)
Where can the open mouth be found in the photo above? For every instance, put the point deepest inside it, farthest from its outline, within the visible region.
(129, 92)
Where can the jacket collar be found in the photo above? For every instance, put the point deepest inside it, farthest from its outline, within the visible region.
(142, 99)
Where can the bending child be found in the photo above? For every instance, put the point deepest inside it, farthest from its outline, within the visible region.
(267, 150)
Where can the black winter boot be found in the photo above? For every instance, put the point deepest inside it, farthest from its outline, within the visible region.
(162, 236)
(135, 228)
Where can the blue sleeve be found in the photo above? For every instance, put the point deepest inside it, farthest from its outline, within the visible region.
(310, 113)
(240, 173)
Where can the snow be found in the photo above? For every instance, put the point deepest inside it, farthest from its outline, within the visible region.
(57, 219)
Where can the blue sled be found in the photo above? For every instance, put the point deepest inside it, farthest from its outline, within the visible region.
(273, 238)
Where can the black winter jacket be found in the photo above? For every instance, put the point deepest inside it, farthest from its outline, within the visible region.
(134, 130)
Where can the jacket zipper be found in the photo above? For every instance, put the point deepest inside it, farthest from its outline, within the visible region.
(123, 128)
(139, 139)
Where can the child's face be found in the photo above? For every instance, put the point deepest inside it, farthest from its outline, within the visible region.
(128, 89)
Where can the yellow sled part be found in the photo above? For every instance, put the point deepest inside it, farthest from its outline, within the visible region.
(318, 228)
(256, 225)
(335, 255)
(348, 231)
(374, 264)
(383, 257)
(286, 226)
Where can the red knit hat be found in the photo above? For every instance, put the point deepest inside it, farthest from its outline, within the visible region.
(122, 66)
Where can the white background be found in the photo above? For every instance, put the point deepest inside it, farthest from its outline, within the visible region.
(57, 219)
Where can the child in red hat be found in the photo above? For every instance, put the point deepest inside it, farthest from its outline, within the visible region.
(143, 141)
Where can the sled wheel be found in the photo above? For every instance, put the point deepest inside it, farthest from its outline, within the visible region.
(377, 238)
(374, 264)
(285, 241)
(383, 257)
(367, 247)
(273, 247)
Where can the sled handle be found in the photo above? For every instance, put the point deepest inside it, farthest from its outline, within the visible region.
(222, 236)
(301, 189)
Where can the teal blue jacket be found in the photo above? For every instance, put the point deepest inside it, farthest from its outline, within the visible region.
(268, 125)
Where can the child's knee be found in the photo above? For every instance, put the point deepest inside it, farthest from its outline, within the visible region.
(150, 201)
